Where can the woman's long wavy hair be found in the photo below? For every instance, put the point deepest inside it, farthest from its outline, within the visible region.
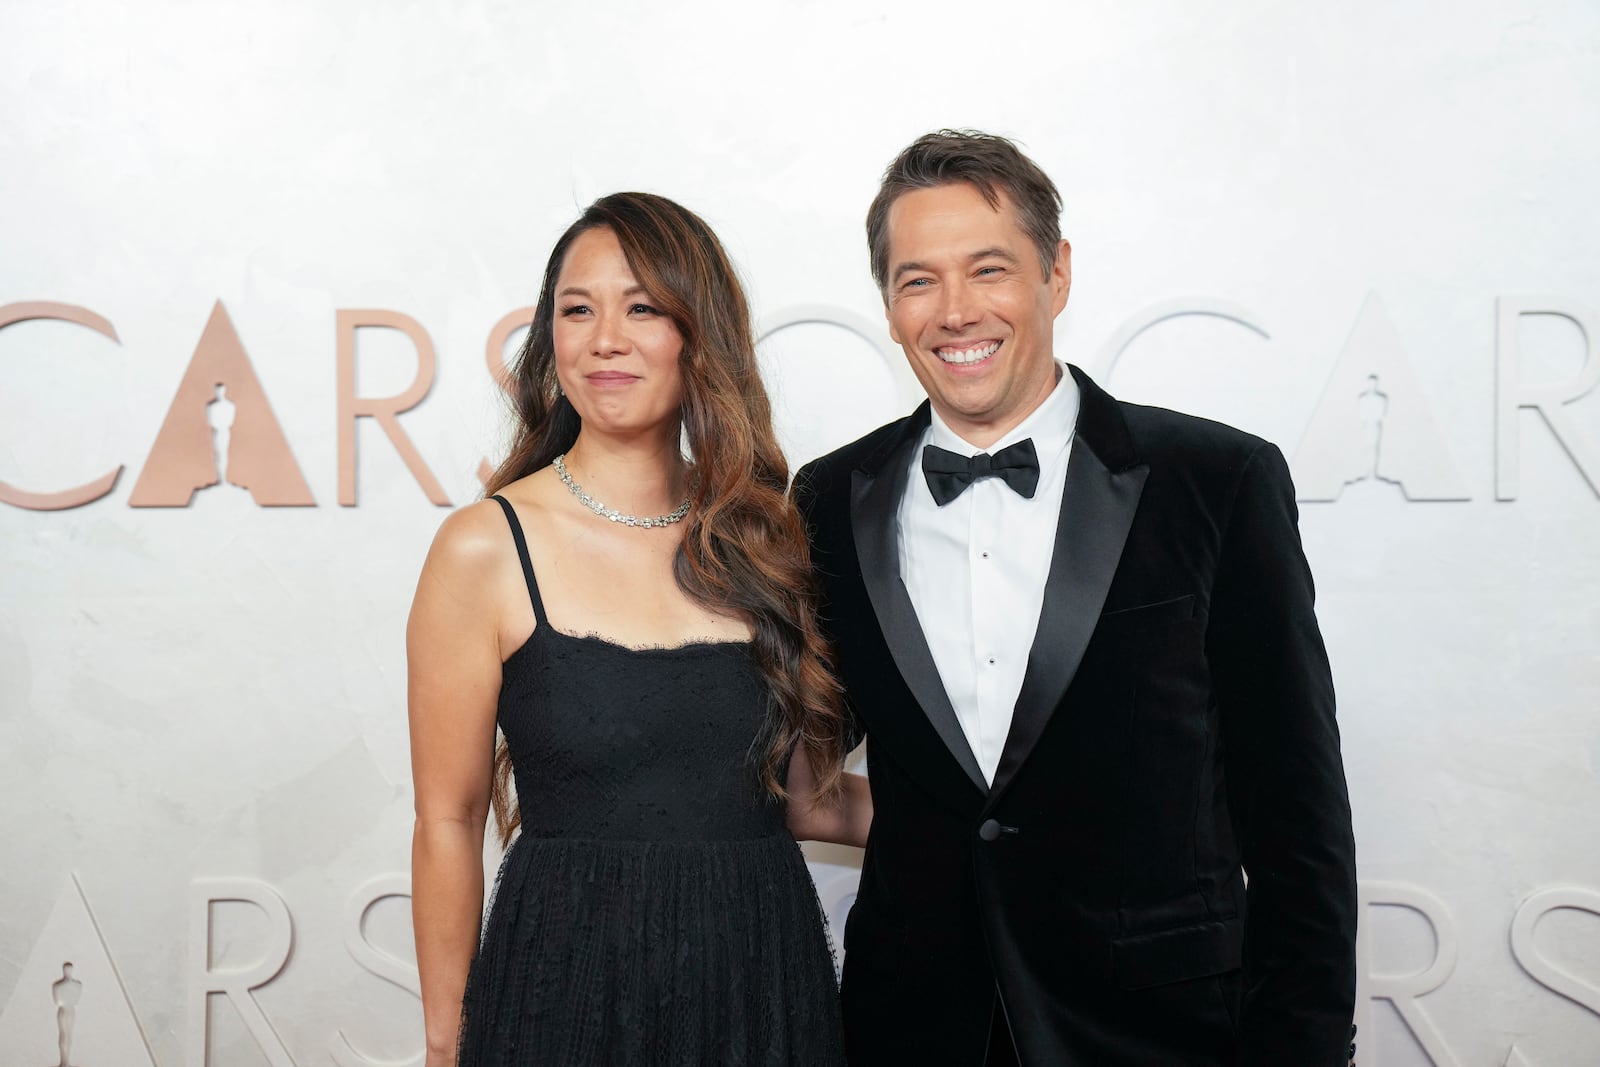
(744, 549)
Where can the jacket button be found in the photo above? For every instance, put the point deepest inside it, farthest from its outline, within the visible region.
(990, 830)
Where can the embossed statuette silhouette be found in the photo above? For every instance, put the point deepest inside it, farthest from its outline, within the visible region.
(66, 992)
(220, 413)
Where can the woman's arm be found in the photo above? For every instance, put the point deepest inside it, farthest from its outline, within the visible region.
(811, 819)
(453, 670)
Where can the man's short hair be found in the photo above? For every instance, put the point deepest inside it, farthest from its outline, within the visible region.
(990, 163)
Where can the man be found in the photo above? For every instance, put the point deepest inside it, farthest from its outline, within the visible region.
(1079, 637)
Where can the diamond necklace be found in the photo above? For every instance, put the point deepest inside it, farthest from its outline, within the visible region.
(675, 515)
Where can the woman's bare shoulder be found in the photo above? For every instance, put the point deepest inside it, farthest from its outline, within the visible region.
(471, 538)
(479, 534)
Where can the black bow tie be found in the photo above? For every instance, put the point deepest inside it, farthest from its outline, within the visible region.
(949, 473)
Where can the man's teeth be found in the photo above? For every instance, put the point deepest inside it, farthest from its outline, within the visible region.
(967, 355)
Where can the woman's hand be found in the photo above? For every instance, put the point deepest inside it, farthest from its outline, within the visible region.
(847, 822)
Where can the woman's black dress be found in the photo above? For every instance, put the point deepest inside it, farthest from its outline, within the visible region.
(654, 909)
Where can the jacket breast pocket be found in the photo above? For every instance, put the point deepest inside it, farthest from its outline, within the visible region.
(1140, 961)
(1150, 655)
(1146, 616)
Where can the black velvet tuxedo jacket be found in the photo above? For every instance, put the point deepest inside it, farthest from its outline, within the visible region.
(1175, 732)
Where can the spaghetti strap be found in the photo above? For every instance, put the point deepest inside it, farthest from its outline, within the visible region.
(522, 553)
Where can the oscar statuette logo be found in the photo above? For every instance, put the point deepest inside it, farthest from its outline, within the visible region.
(1373, 429)
(69, 1007)
(67, 991)
(220, 430)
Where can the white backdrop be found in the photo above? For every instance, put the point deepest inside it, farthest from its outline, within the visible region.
(207, 703)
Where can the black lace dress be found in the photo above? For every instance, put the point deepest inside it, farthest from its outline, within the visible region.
(654, 909)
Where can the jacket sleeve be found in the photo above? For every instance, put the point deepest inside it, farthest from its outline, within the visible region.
(1286, 785)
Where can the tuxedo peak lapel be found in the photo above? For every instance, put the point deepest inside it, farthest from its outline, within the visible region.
(1101, 496)
(876, 488)
(892, 452)
(1101, 425)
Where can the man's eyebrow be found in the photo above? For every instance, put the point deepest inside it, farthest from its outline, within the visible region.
(992, 253)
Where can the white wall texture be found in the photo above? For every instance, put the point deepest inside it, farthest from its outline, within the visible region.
(207, 703)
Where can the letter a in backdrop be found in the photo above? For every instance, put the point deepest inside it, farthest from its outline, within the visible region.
(257, 457)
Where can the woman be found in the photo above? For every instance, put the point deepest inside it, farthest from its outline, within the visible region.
(656, 670)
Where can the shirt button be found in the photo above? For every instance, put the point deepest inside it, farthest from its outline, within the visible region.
(991, 661)
(985, 555)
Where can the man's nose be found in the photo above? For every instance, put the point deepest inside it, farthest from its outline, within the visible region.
(960, 309)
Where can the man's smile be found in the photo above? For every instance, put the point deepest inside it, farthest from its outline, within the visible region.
(967, 352)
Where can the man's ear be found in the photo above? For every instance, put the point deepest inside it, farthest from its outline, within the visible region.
(1061, 276)
(894, 334)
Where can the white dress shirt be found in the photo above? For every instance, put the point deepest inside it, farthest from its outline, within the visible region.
(976, 568)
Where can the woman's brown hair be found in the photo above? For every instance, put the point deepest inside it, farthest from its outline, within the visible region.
(744, 548)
